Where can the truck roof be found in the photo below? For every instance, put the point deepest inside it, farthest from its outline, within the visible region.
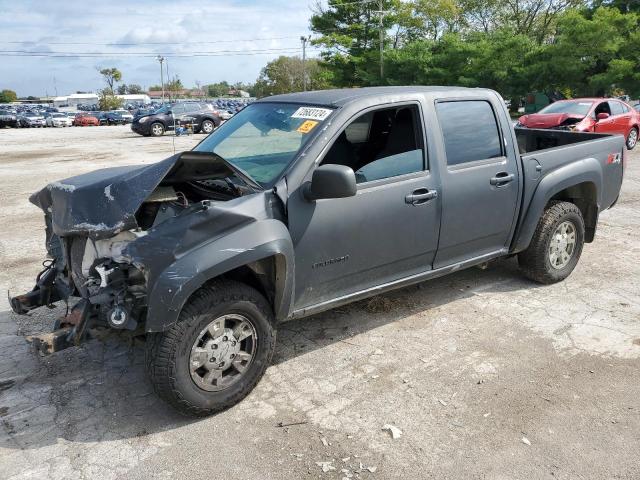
(340, 97)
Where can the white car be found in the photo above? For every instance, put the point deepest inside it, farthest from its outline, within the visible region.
(58, 120)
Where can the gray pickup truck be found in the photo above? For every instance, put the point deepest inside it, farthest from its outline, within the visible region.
(303, 202)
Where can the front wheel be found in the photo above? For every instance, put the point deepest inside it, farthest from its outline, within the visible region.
(217, 351)
(632, 138)
(157, 129)
(556, 245)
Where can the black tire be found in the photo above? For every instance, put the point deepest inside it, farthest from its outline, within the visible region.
(167, 354)
(632, 138)
(207, 126)
(535, 261)
(156, 129)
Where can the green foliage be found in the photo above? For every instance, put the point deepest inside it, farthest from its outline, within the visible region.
(512, 46)
(8, 96)
(111, 76)
(285, 74)
(219, 89)
(107, 101)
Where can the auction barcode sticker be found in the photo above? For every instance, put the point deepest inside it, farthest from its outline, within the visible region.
(312, 113)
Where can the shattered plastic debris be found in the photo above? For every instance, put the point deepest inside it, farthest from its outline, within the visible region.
(442, 402)
(526, 441)
(61, 186)
(324, 442)
(393, 430)
(107, 193)
(372, 469)
(326, 466)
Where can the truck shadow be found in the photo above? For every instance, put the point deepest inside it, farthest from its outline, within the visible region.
(99, 392)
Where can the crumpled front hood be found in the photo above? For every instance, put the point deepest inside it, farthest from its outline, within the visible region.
(103, 203)
(546, 120)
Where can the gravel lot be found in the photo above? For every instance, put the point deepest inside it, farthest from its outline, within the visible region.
(486, 374)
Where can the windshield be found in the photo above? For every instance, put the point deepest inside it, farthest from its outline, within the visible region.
(263, 139)
(573, 107)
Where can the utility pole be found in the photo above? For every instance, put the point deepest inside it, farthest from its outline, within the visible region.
(381, 13)
(304, 41)
(160, 58)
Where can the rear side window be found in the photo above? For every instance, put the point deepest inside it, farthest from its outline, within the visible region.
(616, 108)
(470, 131)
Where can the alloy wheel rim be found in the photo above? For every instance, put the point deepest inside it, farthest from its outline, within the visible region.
(633, 138)
(157, 129)
(207, 127)
(223, 352)
(563, 245)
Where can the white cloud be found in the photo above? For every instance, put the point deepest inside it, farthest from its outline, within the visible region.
(158, 26)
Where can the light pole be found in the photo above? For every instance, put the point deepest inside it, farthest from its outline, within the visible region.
(160, 58)
(304, 41)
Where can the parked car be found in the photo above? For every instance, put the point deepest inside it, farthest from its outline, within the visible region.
(124, 115)
(8, 119)
(588, 115)
(201, 116)
(85, 120)
(58, 120)
(304, 202)
(29, 119)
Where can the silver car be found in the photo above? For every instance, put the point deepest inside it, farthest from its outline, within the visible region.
(31, 120)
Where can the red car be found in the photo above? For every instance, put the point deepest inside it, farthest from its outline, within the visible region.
(85, 120)
(602, 115)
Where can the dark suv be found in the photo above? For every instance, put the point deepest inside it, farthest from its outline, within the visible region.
(200, 115)
(8, 119)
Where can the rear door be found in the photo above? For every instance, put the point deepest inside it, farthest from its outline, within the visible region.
(480, 185)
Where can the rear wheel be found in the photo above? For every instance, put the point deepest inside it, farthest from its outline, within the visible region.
(157, 129)
(556, 245)
(207, 127)
(632, 138)
(217, 351)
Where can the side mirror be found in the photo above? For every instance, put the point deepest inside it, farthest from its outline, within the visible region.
(602, 116)
(331, 181)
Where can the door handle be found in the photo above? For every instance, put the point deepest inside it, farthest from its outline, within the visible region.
(502, 178)
(421, 196)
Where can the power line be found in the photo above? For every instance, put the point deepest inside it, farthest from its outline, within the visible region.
(125, 44)
(217, 53)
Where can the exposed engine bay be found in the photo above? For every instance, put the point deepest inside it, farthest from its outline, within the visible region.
(91, 220)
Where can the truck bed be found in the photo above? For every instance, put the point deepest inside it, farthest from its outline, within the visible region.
(531, 140)
(555, 157)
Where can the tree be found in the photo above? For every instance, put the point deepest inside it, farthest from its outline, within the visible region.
(111, 76)
(8, 96)
(285, 74)
(134, 89)
(108, 101)
(122, 89)
(219, 89)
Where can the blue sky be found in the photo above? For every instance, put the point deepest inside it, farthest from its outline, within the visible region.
(159, 26)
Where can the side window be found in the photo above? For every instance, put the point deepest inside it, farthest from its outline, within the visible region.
(625, 108)
(177, 109)
(603, 108)
(470, 131)
(616, 108)
(380, 144)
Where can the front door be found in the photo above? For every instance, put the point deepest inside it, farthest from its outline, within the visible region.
(388, 230)
(479, 183)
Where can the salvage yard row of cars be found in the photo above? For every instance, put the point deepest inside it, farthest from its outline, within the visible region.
(149, 120)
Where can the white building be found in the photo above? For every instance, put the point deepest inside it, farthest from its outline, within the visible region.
(138, 97)
(76, 99)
